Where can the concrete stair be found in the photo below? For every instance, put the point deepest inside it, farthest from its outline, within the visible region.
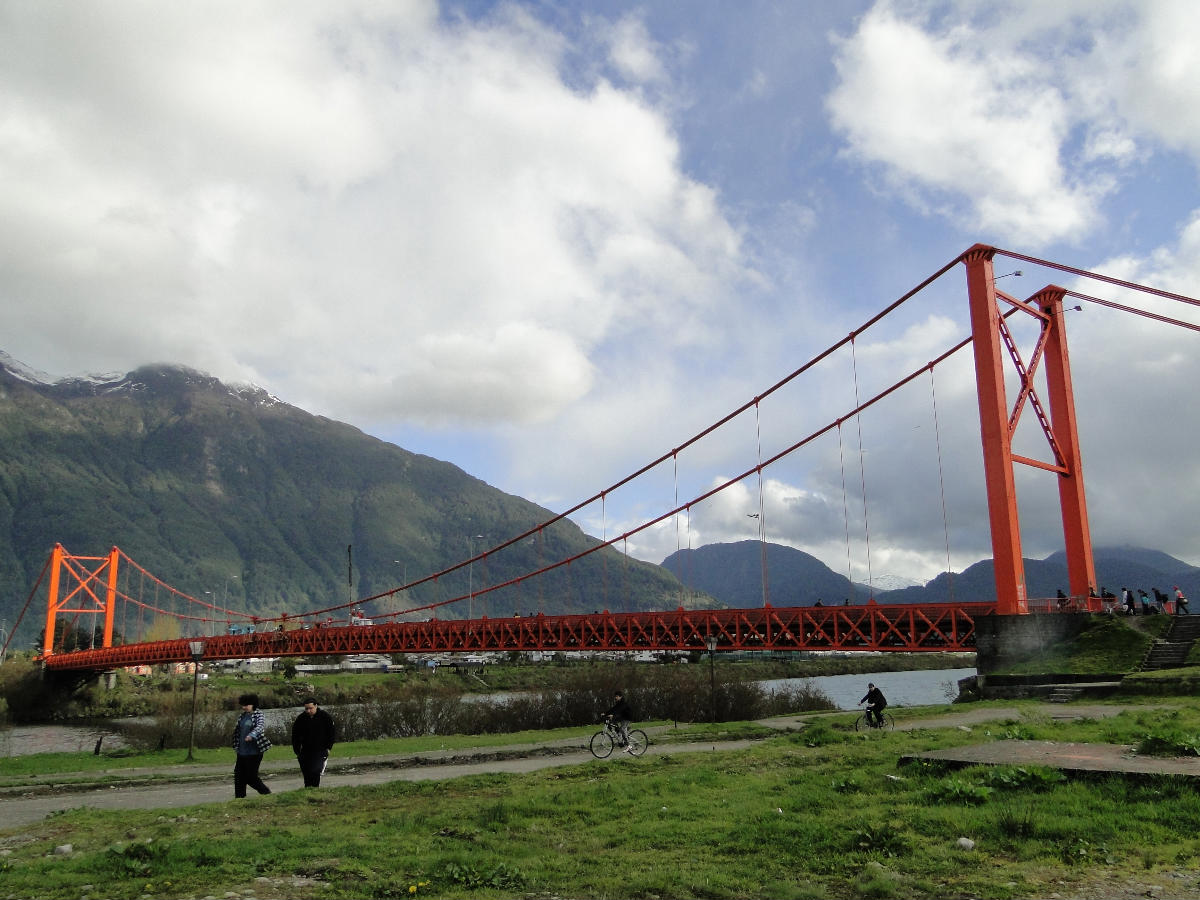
(1063, 693)
(1171, 651)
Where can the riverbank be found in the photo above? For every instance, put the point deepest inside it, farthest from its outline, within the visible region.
(819, 812)
(30, 699)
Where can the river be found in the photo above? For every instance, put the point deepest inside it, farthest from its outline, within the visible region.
(920, 688)
(925, 687)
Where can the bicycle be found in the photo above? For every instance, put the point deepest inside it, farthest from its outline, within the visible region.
(866, 721)
(608, 737)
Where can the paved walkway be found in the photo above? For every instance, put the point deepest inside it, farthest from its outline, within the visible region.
(190, 785)
(1070, 757)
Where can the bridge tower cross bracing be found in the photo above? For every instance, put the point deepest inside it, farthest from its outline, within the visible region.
(63, 571)
(989, 330)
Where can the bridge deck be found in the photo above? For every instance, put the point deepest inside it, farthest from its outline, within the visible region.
(928, 627)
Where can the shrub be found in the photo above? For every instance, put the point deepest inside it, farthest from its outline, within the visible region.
(1170, 742)
(1037, 778)
(883, 840)
(959, 790)
(1015, 823)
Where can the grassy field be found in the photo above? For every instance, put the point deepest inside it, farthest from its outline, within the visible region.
(824, 812)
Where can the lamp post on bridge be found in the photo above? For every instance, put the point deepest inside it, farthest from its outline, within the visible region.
(196, 648)
(711, 643)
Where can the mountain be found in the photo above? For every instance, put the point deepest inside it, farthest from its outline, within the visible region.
(893, 582)
(733, 574)
(227, 492)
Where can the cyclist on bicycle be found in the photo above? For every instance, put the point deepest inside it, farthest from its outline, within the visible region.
(876, 703)
(620, 715)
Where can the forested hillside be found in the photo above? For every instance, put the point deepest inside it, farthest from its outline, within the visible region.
(234, 493)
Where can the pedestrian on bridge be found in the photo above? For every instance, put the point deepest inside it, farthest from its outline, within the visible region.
(1181, 608)
(250, 743)
(313, 734)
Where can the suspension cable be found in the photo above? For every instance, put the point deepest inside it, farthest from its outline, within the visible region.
(1137, 312)
(1084, 273)
(725, 485)
(787, 379)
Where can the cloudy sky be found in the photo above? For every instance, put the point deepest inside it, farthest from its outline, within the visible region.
(550, 242)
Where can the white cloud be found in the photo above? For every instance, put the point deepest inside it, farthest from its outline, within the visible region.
(372, 212)
(953, 114)
(634, 53)
(419, 220)
(1154, 72)
(1020, 121)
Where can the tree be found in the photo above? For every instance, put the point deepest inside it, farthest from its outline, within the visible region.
(163, 628)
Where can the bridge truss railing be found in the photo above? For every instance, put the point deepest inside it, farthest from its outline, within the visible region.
(905, 628)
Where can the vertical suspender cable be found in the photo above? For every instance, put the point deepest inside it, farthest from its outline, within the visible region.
(937, 434)
(862, 468)
(604, 556)
(541, 582)
(762, 516)
(678, 547)
(845, 511)
(625, 572)
(687, 566)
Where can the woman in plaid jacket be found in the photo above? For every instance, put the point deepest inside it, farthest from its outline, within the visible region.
(250, 743)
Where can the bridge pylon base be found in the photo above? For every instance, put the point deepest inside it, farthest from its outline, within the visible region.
(1002, 641)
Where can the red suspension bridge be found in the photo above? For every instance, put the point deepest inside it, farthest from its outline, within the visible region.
(81, 586)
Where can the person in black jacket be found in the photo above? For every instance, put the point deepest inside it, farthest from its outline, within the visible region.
(313, 735)
(876, 704)
(621, 715)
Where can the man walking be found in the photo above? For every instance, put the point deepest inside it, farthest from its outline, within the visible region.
(313, 735)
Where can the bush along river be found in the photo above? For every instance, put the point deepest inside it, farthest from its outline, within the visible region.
(915, 688)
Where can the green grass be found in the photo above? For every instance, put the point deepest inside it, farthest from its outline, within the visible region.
(819, 813)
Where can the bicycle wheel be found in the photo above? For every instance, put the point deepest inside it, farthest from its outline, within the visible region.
(638, 742)
(601, 745)
(861, 724)
(889, 724)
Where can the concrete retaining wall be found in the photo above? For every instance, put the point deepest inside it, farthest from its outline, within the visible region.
(1001, 641)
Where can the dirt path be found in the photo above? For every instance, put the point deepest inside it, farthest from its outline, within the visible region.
(217, 786)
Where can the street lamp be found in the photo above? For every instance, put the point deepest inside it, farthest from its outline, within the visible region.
(196, 648)
(711, 643)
